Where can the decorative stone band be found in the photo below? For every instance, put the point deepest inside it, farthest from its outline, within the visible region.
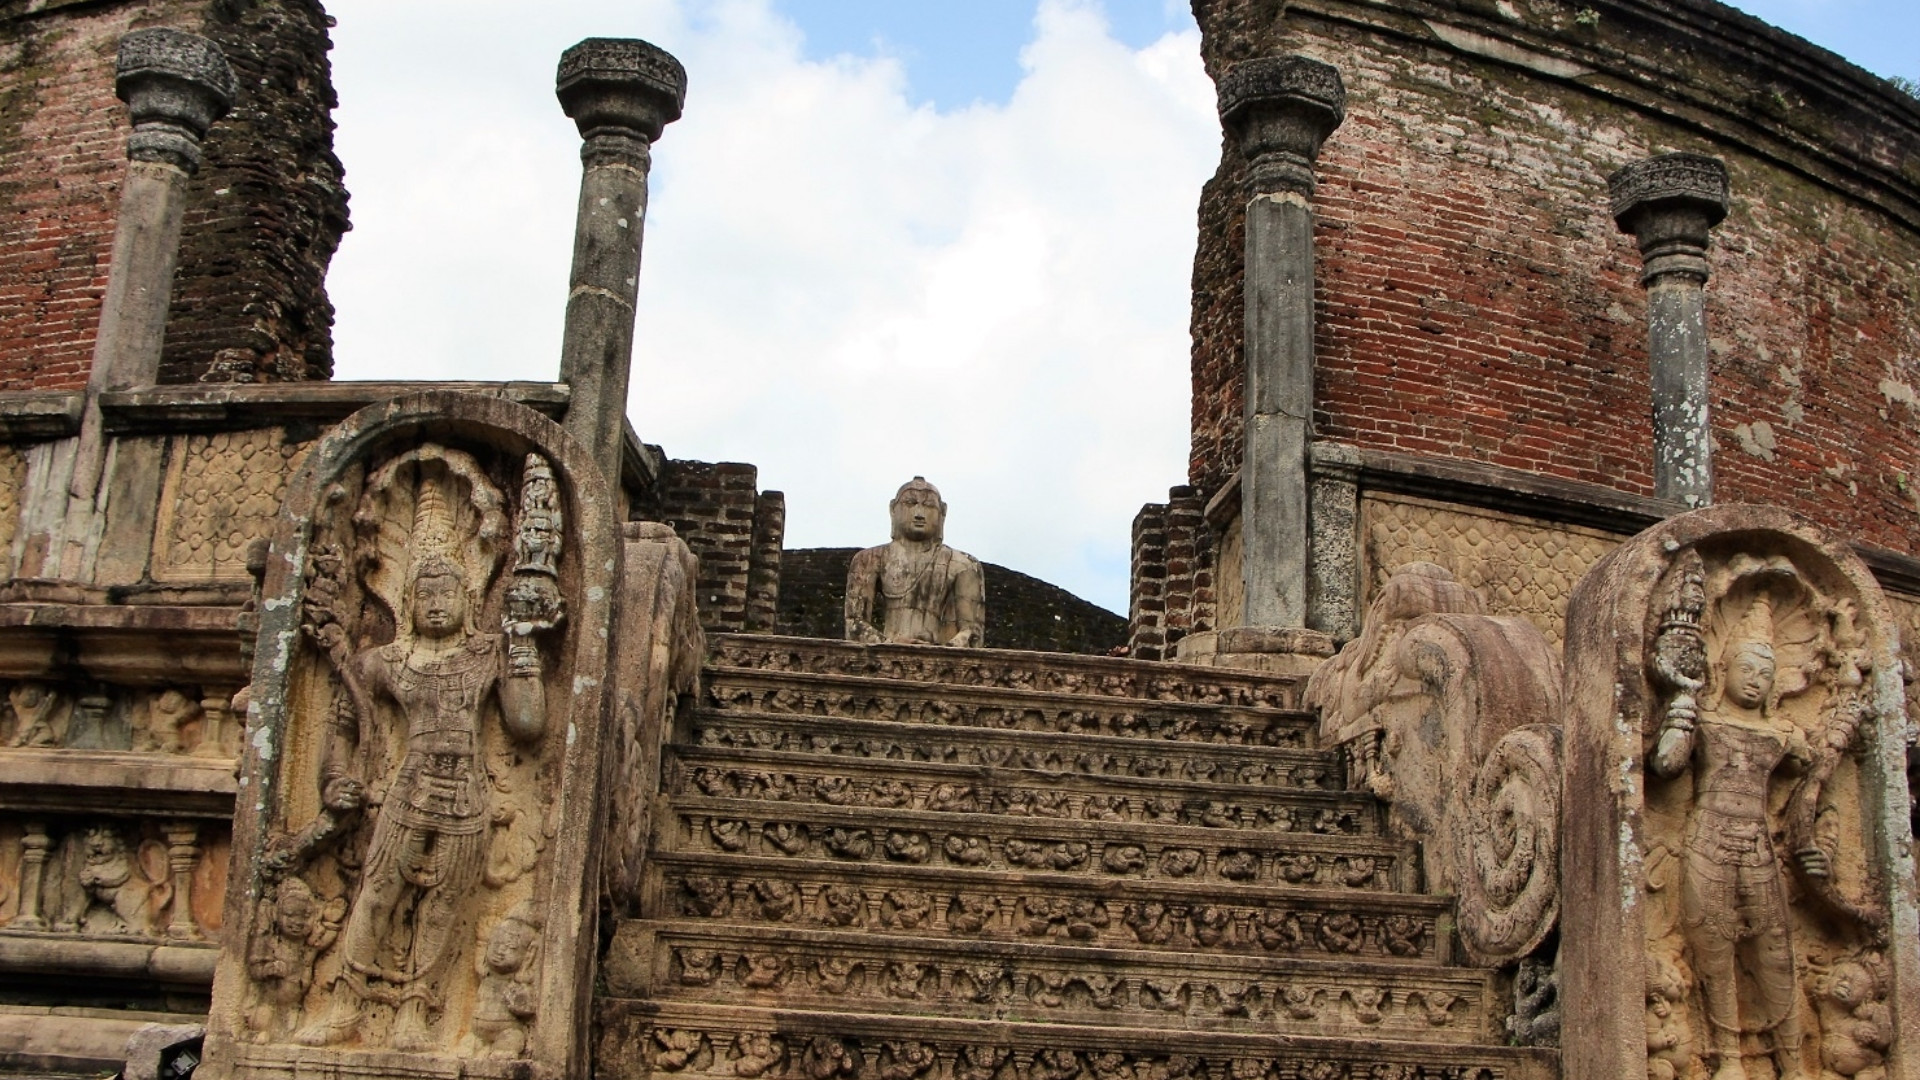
(1282, 108)
(1668, 204)
(620, 88)
(176, 85)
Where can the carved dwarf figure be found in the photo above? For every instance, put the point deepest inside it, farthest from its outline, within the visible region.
(120, 899)
(440, 678)
(507, 999)
(33, 710)
(1733, 899)
(299, 926)
(1856, 1027)
(916, 589)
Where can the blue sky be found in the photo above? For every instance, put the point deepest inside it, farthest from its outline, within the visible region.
(950, 238)
(956, 53)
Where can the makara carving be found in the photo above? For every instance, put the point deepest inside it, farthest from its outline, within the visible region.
(1452, 715)
(915, 589)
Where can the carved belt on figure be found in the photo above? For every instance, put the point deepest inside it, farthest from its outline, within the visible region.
(1730, 841)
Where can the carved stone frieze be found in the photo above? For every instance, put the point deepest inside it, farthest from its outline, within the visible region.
(1111, 913)
(1058, 846)
(93, 716)
(636, 1042)
(1051, 984)
(867, 699)
(896, 785)
(1081, 676)
(1089, 755)
(13, 475)
(221, 492)
(119, 878)
(1517, 565)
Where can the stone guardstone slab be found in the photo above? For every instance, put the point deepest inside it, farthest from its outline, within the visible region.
(415, 880)
(1737, 872)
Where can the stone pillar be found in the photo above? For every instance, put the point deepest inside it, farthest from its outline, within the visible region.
(1282, 108)
(620, 93)
(183, 850)
(219, 737)
(1669, 204)
(175, 85)
(34, 846)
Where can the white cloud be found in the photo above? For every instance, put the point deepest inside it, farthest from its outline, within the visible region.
(838, 286)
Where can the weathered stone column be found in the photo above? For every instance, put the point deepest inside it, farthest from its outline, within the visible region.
(1282, 108)
(620, 93)
(1669, 204)
(34, 846)
(176, 85)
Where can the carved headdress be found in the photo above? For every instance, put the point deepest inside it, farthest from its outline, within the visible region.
(430, 510)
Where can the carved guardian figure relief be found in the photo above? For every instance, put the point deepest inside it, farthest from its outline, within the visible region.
(429, 766)
(1762, 719)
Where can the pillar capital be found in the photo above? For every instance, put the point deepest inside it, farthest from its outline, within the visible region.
(1668, 204)
(176, 85)
(1282, 108)
(620, 93)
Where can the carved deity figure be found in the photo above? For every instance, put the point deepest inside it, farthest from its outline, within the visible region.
(507, 998)
(438, 683)
(34, 706)
(1733, 896)
(916, 589)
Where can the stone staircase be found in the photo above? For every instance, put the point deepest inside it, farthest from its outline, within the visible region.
(898, 863)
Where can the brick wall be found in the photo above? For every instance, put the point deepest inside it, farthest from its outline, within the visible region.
(734, 529)
(264, 215)
(1172, 593)
(1475, 300)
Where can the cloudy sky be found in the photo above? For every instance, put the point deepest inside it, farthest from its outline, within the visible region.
(889, 237)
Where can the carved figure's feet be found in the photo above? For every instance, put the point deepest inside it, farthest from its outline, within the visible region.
(340, 1020)
(1730, 1068)
(411, 1031)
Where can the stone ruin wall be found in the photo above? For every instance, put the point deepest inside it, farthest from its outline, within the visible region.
(263, 219)
(1477, 304)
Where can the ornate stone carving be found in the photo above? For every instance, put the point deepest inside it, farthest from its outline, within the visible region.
(1669, 203)
(220, 494)
(1431, 692)
(1283, 108)
(425, 744)
(176, 85)
(1518, 566)
(915, 589)
(1735, 721)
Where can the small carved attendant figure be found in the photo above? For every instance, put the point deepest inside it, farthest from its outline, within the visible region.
(281, 961)
(1733, 897)
(916, 589)
(439, 679)
(1856, 1027)
(507, 998)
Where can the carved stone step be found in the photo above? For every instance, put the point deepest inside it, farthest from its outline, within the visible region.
(1090, 755)
(855, 838)
(1030, 907)
(642, 1039)
(891, 785)
(1048, 983)
(1051, 712)
(1062, 673)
